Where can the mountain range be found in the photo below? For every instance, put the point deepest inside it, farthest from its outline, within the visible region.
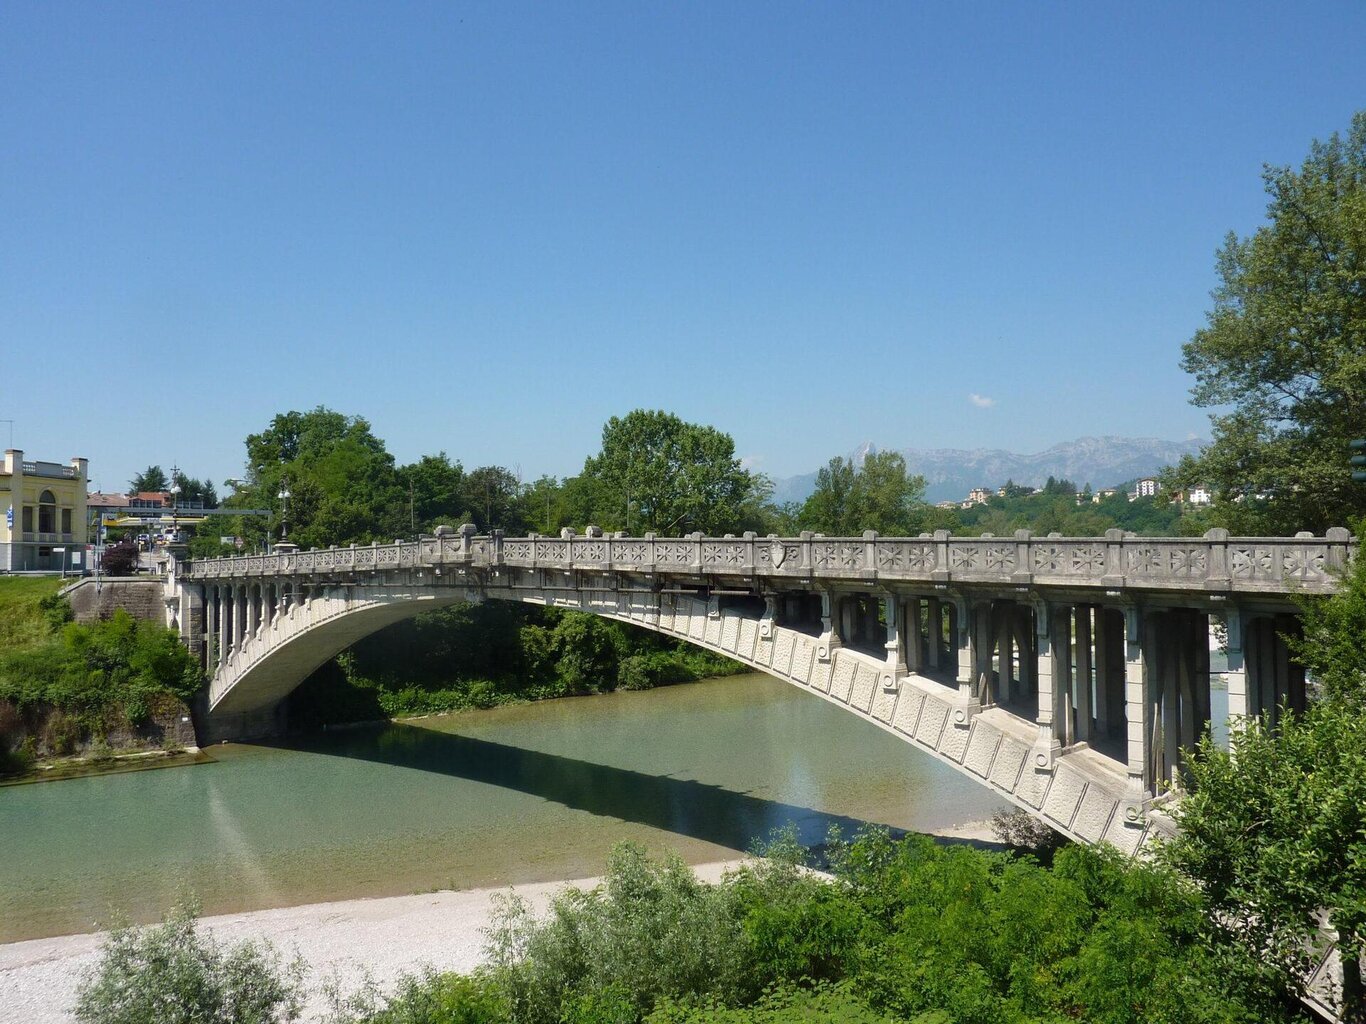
(951, 472)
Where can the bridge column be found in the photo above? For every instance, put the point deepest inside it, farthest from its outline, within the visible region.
(1053, 636)
(191, 616)
(934, 636)
(914, 640)
(1238, 708)
(1002, 614)
(982, 642)
(1082, 685)
(830, 638)
(896, 644)
(767, 619)
(963, 634)
(1140, 641)
(224, 615)
(254, 610)
(239, 616)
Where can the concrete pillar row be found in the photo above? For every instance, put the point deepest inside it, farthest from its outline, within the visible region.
(914, 644)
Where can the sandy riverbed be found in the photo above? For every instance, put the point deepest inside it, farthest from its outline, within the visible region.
(386, 937)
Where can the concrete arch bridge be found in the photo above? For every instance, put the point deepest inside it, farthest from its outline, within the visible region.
(1064, 673)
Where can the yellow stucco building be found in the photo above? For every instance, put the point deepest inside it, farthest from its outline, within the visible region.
(44, 523)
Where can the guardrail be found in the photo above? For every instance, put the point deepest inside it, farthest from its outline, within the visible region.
(1214, 562)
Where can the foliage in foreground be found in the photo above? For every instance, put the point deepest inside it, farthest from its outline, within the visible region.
(909, 931)
(175, 974)
(1275, 831)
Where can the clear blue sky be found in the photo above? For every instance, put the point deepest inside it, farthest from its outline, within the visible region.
(488, 227)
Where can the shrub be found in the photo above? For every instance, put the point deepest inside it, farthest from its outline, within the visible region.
(120, 559)
(651, 930)
(172, 974)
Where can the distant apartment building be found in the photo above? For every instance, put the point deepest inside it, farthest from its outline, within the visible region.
(45, 526)
(976, 496)
(1195, 496)
(1145, 488)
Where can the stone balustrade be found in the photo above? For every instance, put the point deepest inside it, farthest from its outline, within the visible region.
(1117, 561)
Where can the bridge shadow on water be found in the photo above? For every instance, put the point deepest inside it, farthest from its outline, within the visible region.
(686, 807)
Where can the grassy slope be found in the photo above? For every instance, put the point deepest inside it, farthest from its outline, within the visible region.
(21, 620)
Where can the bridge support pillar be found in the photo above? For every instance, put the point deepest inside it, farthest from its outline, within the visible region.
(239, 617)
(191, 616)
(1053, 637)
(934, 635)
(964, 631)
(1082, 731)
(1140, 646)
(830, 637)
(914, 644)
(896, 647)
(1236, 676)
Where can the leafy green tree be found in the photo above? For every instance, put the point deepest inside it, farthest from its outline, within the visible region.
(153, 478)
(877, 495)
(1274, 830)
(173, 974)
(1332, 647)
(492, 497)
(656, 472)
(1285, 350)
(192, 489)
(435, 489)
(342, 483)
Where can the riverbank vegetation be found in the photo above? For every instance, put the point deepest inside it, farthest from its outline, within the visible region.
(65, 687)
(497, 652)
(905, 931)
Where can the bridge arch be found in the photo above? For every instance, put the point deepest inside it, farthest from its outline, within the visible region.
(265, 639)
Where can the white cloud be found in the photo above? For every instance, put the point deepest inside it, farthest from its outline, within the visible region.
(981, 401)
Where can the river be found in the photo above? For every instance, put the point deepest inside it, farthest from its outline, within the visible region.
(533, 792)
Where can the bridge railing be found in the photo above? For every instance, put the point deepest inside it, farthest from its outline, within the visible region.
(1213, 562)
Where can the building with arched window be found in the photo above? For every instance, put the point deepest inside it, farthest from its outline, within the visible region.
(44, 523)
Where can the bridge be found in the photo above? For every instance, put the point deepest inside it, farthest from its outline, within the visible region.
(1067, 674)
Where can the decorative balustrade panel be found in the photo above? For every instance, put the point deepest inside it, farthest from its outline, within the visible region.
(1214, 562)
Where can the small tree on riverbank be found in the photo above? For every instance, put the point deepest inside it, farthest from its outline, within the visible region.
(174, 974)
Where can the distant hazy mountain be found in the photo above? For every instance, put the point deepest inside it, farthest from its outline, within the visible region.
(951, 472)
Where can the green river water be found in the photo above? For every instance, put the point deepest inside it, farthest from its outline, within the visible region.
(527, 793)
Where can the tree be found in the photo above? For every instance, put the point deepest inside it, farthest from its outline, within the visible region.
(171, 974)
(1285, 348)
(1274, 830)
(656, 472)
(192, 490)
(150, 479)
(341, 479)
(877, 495)
(434, 488)
(119, 559)
(492, 500)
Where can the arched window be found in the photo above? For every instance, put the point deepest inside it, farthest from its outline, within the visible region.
(47, 513)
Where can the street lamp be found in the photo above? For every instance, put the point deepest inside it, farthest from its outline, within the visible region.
(284, 511)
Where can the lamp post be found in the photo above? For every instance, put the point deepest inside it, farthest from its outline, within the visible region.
(284, 511)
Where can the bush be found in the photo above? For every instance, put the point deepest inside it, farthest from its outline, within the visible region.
(651, 930)
(172, 974)
(117, 670)
(120, 559)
